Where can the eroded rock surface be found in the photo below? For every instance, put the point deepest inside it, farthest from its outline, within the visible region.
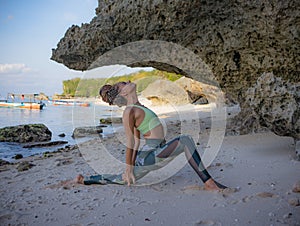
(272, 104)
(197, 91)
(238, 40)
(165, 92)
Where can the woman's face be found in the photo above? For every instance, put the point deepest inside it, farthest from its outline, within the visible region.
(117, 93)
(120, 101)
(126, 88)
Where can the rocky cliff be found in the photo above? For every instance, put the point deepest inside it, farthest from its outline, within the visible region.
(239, 40)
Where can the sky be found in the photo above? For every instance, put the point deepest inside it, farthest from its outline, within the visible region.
(29, 30)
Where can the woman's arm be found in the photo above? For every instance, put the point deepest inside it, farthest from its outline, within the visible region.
(128, 123)
(136, 144)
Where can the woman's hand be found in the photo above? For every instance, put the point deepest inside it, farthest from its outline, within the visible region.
(128, 176)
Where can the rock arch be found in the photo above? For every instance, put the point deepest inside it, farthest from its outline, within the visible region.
(238, 40)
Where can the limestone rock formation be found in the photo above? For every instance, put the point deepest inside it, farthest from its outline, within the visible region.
(238, 40)
(25, 133)
(297, 148)
(197, 90)
(165, 92)
(273, 104)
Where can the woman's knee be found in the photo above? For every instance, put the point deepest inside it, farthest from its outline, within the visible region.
(186, 139)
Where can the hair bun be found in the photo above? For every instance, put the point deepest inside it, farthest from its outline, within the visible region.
(109, 93)
(112, 93)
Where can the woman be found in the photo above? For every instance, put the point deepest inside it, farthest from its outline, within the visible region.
(139, 120)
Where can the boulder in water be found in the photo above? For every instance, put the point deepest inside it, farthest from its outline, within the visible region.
(87, 131)
(111, 120)
(25, 133)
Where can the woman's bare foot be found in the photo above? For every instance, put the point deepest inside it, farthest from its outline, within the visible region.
(79, 179)
(211, 185)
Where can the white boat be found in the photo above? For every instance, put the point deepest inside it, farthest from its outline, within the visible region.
(26, 101)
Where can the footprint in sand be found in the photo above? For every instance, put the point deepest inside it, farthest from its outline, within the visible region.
(224, 192)
(207, 223)
(67, 184)
(266, 195)
(61, 162)
(227, 191)
(193, 188)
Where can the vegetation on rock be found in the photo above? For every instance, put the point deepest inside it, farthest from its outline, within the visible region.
(90, 87)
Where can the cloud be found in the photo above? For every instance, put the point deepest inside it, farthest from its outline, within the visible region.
(13, 68)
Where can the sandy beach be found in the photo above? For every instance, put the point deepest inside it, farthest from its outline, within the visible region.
(260, 167)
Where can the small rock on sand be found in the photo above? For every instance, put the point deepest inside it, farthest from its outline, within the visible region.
(296, 187)
(23, 166)
(294, 202)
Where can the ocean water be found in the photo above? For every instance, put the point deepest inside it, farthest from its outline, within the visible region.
(64, 119)
(59, 119)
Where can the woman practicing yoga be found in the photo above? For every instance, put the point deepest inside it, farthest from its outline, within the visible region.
(139, 120)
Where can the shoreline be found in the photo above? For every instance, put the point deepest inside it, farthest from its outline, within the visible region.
(201, 115)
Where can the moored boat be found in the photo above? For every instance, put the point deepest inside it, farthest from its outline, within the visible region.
(70, 103)
(25, 101)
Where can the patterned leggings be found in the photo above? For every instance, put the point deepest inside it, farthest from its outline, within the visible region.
(155, 154)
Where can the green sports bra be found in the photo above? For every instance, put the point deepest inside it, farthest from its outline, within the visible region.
(150, 120)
